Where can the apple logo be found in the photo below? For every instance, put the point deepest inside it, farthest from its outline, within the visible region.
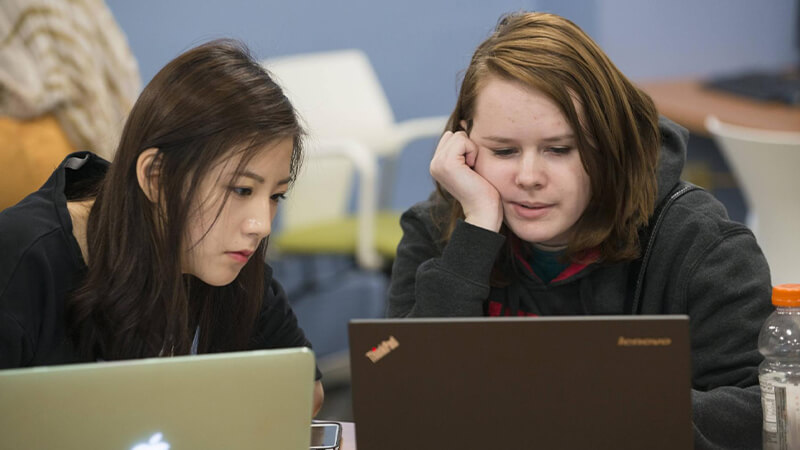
(154, 443)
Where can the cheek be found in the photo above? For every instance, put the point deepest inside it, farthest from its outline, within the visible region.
(488, 167)
(193, 232)
(206, 228)
(272, 213)
(205, 212)
(583, 188)
(480, 162)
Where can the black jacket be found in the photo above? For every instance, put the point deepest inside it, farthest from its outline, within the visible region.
(701, 264)
(41, 263)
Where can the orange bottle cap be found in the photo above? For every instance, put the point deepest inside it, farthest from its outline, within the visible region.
(786, 295)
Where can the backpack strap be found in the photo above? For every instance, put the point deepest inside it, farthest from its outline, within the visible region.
(647, 237)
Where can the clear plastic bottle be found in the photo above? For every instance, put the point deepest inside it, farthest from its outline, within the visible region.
(779, 373)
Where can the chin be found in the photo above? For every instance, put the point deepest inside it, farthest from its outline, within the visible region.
(531, 235)
(219, 281)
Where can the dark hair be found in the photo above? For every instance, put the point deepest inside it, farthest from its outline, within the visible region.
(211, 103)
(615, 123)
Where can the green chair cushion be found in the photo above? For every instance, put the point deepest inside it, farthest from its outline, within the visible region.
(339, 236)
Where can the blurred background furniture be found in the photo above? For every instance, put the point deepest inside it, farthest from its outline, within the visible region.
(317, 218)
(765, 162)
(336, 235)
(688, 101)
(353, 136)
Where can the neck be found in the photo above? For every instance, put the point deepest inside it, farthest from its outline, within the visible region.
(79, 214)
(550, 248)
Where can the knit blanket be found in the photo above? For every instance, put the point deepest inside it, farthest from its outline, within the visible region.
(70, 59)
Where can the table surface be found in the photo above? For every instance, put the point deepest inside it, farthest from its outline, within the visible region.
(688, 102)
(348, 436)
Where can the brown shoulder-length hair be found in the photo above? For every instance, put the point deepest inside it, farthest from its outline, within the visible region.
(616, 124)
(211, 104)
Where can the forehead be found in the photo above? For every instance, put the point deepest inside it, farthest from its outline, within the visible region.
(272, 160)
(511, 103)
(276, 155)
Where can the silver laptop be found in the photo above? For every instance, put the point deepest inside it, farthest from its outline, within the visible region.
(620, 382)
(247, 400)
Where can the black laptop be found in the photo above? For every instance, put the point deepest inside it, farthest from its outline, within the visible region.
(621, 382)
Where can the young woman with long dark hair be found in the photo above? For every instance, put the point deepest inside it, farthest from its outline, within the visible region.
(162, 251)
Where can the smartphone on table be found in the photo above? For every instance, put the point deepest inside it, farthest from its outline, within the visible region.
(325, 435)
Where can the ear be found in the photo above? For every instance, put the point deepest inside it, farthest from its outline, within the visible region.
(147, 172)
(463, 124)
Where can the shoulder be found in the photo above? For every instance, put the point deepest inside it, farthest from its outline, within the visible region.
(37, 269)
(36, 242)
(696, 229)
(698, 213)
(42, 217)
(31, 230)
(426, 210)
(429, 216)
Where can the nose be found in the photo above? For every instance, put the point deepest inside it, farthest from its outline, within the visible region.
(258, 222)
(530, 172)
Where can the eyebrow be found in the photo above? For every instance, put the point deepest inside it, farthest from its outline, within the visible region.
(498, 139)
(560, 138)
(259, 178)
(505, 140)
(248, 174)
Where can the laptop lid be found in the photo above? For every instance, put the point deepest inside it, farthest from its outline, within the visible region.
(619, 382)
(245, 400)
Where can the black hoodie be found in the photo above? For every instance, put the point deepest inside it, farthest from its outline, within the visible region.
(41, 263)
(700, 264)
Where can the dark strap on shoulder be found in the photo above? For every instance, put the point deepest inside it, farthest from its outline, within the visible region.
(647, 237)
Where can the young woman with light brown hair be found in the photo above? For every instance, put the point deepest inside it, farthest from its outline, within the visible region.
(559, 193)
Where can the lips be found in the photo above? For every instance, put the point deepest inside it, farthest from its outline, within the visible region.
(528, 210)
(241, 255)
(533, 205)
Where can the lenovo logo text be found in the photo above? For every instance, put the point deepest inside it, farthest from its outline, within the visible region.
(643, 342)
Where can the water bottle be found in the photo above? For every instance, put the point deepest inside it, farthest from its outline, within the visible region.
(779, 373)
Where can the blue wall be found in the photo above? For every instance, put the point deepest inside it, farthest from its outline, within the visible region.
(419, 47)
(653, 39)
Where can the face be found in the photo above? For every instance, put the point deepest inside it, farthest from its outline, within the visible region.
(220, 242)
(528, 152)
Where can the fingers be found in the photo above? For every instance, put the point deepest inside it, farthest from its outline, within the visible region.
(471, 154)
(453, 152)
(452, 167)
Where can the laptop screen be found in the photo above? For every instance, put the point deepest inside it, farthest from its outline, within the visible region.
(541, 382)
(245, 400)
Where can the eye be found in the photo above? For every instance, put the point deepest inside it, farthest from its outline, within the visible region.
(242, 191)
(277, 198)
(503, 151)
(562, 150)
